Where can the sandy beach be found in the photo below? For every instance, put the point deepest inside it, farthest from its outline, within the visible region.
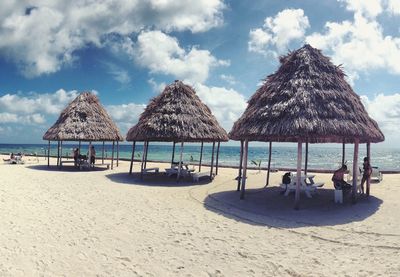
(107, 223)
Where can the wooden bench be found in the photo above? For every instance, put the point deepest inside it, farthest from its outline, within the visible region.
(151, 169)
(196, 176)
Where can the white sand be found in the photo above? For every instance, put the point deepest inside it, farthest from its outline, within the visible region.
(106, 223)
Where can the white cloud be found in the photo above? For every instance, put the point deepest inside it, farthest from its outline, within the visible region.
(226, 104)
(394, 6)
(369, 8)
(157, 87)
(49, 103)
(125, 115)
(119, 74)
(385, 109)
(21, 119)
(228, 78)
(360, 45)
(161, 53)
(278, 31)
(43, 39)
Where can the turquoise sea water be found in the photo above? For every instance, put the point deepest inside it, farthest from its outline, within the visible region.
(320, 157)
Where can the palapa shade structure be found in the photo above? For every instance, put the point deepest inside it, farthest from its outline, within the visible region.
(177, 115)
(84, 119)
(306, 100)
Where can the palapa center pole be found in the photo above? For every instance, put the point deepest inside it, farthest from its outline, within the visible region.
(173, 153)
(133, 155)
(180, 163)
(143, 157)
(201, 155)
(245, 152)
(102, 154)
(58, 153)
(117, 153)
(269, 162)
(48, 155)
(306, 159)
(369, 160)
(298, 177)
(212, 161)
(147, 151)
(61, 143)
(355, 171)
(112, 155)
(79, 147)
(343, 152)
(216, 162)
(240, 166)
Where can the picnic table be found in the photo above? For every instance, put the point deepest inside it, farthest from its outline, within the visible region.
(307, 185)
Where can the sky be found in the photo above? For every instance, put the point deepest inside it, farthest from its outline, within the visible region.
(126, 51)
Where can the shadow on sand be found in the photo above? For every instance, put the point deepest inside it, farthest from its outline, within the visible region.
(66, 168)
(271, 208)
(153, 179)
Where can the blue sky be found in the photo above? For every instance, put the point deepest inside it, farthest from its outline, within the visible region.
(127, 51)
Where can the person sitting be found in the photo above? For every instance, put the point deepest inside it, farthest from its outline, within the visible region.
(367, 171)
(338, 179)
(11, 160)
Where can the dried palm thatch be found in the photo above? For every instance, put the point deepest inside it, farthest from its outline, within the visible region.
(306, 99)
(84, 119)
(177, 114)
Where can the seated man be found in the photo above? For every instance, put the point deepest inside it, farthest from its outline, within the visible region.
(338, 179)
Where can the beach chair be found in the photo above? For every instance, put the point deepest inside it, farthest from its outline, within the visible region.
(376, 174)
(197, 175)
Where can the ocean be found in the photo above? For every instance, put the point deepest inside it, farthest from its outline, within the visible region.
(320, 156)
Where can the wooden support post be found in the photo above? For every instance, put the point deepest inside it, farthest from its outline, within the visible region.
(298, 177)
(269, 162)
(240, 166)
(173, 154)
(60, 163)
(180, 163)
(79, 147)
(343, 152)
(133, 155)
(212, 161)
(245, 152)
(147, 151)
(201, 155)
(112, 156)
(369, 160)
(355, 172)
(102, 154)
(48, 155)
(306, 159)
(58, 153)
(216, 162)
(143, 157)
(117, 153)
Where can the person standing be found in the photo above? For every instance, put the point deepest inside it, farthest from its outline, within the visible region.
(367, 171)
(92, 155)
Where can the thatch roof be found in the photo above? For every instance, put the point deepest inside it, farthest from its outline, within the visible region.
(84, 119)
(177, 114)
(307, 98)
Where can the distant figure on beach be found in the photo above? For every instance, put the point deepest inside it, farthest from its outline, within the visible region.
(92, 155)
(76, 155)
(367, 171)
(12, 157)
(338, 179)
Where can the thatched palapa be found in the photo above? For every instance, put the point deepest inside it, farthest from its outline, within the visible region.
(177, 114)
(307, 98)
(84, 119)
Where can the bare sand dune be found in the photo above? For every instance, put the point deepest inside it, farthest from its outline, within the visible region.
(103, 222)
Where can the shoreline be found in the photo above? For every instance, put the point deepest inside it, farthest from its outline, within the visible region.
(273, 169)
